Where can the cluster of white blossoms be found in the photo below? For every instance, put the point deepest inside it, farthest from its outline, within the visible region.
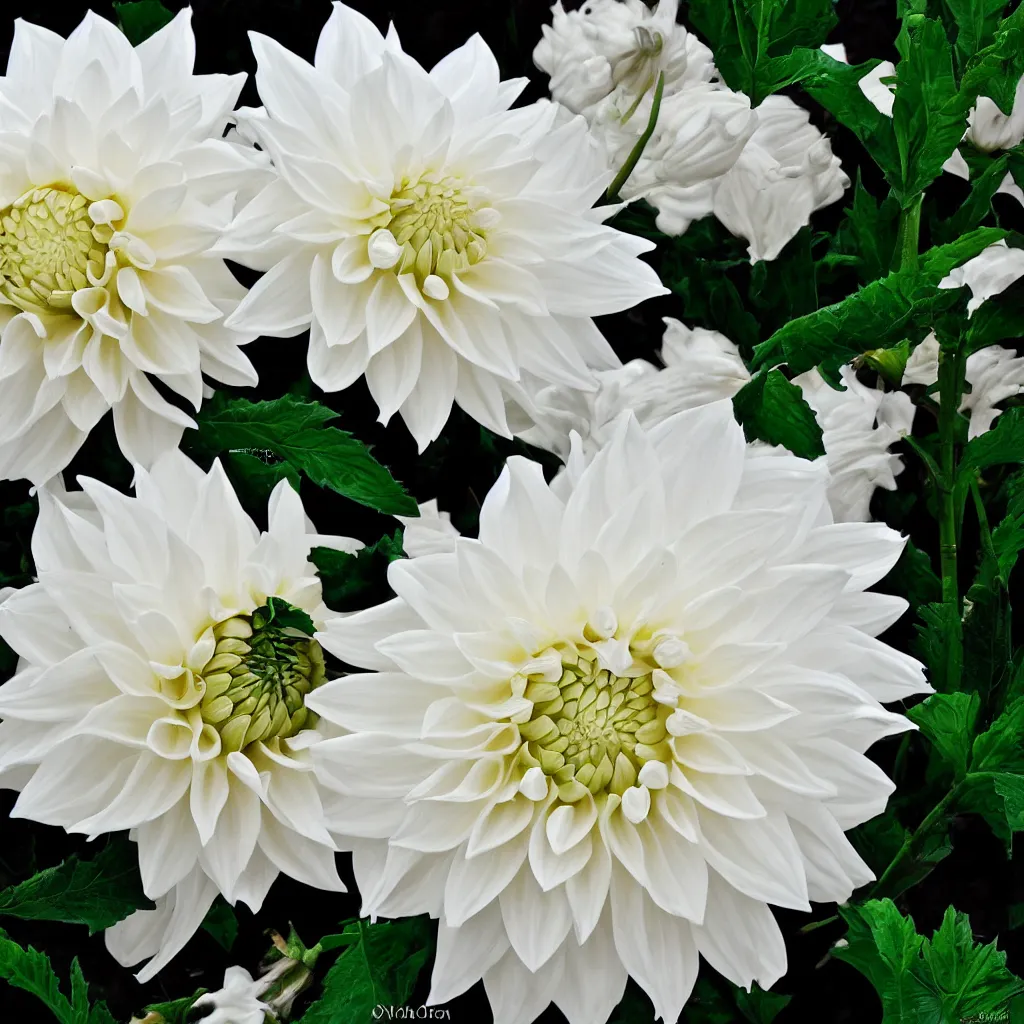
(605, 736)
(599, 740)
(859, 424)
(761, 172)
(115, 183)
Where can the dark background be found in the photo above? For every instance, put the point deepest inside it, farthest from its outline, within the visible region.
(459, 469)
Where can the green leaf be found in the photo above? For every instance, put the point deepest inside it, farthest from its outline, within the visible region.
(978, 204)
(976, 23)
(296, 432)
(140, 19)
(936, 631)
(879, 315)
(946, 978)
(868, 232)
(1008, 536)
(221, 923)
(969, 979)
(254, 479)
(1011, 789)
(282, 615)
(999, 749)
(884, 946)
(928, 117)
(350, 581)
(30, 970)
(748, 36)
(175, 1011)
(758, 1006)
(1004, 443)
(996, 69)
(97, 893)
(947, 719)
(913, 577)
(773, 409)
(380, 968)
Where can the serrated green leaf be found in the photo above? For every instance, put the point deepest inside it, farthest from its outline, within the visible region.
(1011, 788)
(913, 577)
(750, 37)
(1004, 443)
(30, 970)
(297, 432)
(868, 232)
(996, 69)
(948, 719)
(879, 315)
(936, 633)
(976, 22)
(978, 205)
(928, 118)
(999, 748)
(140, 19)
(379, 969)
(925, 981)
(97, 893)
(969, 979)
(771, 408)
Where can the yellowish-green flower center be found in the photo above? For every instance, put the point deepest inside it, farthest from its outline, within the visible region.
(257, 681)
(593, 730)
(434, 227)
(49, 245)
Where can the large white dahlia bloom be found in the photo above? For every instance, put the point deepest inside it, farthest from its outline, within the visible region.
(608, 734)
(161, 689)
(428, 236)
(114, 185)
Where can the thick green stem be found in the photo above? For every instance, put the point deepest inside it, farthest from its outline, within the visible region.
(907, 239)
(950, 385)
(636, 152)
(936, 814)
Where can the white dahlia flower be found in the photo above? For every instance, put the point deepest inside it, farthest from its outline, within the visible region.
(786, 171)
(699, 135)
(608, 734)
(701, 366)
(114, 185)
(614, 50)
(858, 427)
(161, 687)
(428, 236)
(994, 373)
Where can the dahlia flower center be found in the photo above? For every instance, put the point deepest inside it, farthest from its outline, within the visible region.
(50, 247)
(436, 227)
(594, 730)
(257, 681)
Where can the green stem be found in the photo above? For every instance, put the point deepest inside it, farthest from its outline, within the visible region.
(950, 384)
(909, 233)
(636, 152)
(934, 817)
